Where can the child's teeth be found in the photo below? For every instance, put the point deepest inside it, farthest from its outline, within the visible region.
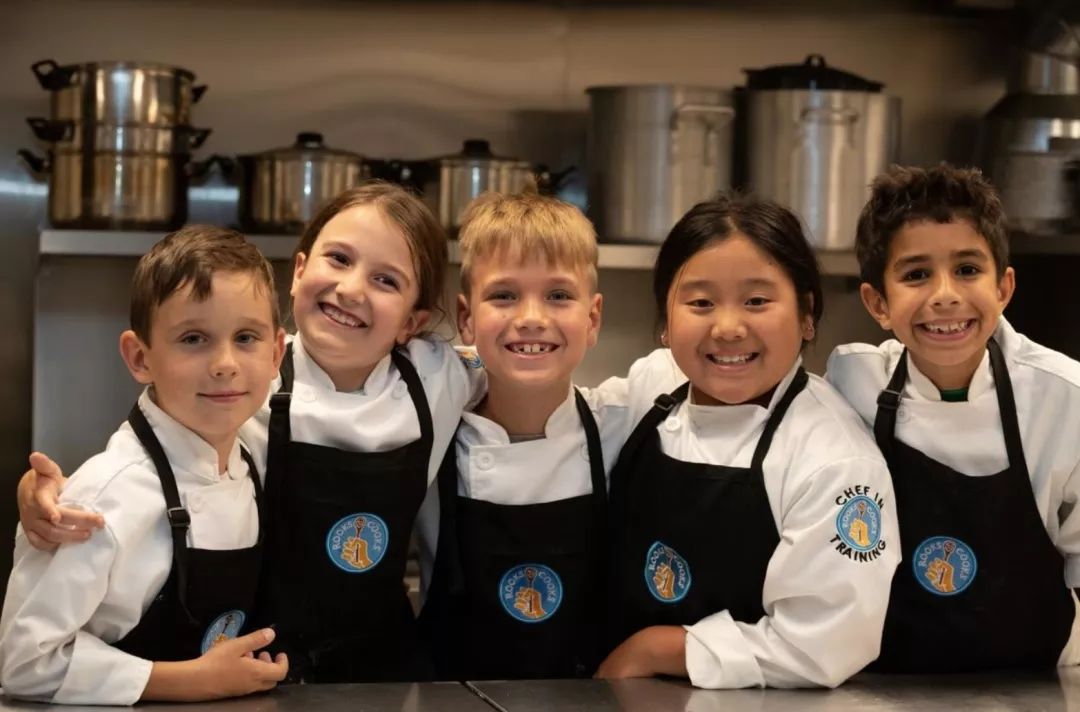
(532, 348)
(340, 316)
(948, 328)
(732, 359)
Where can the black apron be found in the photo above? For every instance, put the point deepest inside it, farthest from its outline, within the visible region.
(981, 585)
(209, 595)
(517, 590)
(690, 539)
(339, 538)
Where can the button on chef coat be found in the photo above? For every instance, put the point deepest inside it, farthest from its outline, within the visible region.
(824, 610)
(63, 609)
(493, 469)
(968, 437)
(374, 418)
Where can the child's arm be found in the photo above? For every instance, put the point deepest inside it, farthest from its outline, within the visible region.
(229, 669)
(46, 523)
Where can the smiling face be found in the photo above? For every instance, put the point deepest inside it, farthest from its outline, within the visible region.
(734, 325)
(210, 362)
(531, 323)
(942, 298)
(354, 294)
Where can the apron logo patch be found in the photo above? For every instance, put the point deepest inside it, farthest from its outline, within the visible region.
(667, 575)
(858, 524)
(225, 627)
(357, 543)
(530, 593)
(944, 565)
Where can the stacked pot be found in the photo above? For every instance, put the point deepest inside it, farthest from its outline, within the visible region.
(121, 142)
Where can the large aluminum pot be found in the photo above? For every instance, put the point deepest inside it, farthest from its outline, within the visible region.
(281, 189)
(111, 190)
(124, 139)
(817, 137)
(654, 152)
(450, 183)
(119, 92)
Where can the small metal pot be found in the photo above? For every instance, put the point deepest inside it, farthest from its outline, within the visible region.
(281, 189)
(110, 190)
(119, 92)
(451, 182)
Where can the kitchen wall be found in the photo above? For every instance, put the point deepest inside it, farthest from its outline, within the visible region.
(412, 80)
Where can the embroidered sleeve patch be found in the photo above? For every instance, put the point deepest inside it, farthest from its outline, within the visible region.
(469, 357)
(858, 524)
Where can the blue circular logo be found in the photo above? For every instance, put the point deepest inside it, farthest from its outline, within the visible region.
(667, 575)
(530, 593)
(859, 523)
(225, 627)
(357, 543)
(944, 565)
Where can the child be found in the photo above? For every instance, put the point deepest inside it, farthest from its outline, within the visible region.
(520, 566)
(978, 425)
(353, 435)
(145, 609)
(754, 534)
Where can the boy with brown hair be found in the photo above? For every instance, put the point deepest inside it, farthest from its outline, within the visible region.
(517, 584)
(150, 607)
(978, 425)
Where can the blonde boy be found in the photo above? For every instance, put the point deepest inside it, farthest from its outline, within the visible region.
(515, 589)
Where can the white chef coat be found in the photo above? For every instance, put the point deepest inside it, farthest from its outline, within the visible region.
(967, 436)
(63, 609)
(824, 611)
(380, 416)
(554, 467)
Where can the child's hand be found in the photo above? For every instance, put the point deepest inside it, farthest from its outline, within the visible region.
(658, 650)
(46, 524)
(229, 669)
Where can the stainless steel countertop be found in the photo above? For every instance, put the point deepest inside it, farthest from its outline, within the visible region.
(1051, 692)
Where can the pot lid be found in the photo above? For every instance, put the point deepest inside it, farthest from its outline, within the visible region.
(309, 146)
(476, 150)
(811, 74)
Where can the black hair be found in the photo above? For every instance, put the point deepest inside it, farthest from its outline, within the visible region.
(770, 226)
(942, 194)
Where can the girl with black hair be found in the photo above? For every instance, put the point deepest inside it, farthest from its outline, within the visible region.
(753, 531)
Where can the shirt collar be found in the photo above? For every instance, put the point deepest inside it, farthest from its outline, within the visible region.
(308, 372)
(185, 450)
(562, 420)
(711, 414)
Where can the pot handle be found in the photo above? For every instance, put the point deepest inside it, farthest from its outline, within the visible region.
(723, 114)
(36, 163)
(198, 170)
(828, 115)
(198, 137)
(197, 93)
(51, 130)
(548, 182)
(51, 75)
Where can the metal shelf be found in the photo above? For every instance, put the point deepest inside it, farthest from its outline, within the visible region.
(1022, 243)
(115, 243)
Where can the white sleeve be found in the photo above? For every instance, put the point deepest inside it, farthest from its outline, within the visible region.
(44, 652)
(1068, 538)
(824, 610)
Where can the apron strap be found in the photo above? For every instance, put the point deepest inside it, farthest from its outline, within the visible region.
(280, 433)
(419, 398)
(447, 572)
(597, 598)
(888, 403)
(1007, 407)
(798, 383)
(253, 473)
(179, 519)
